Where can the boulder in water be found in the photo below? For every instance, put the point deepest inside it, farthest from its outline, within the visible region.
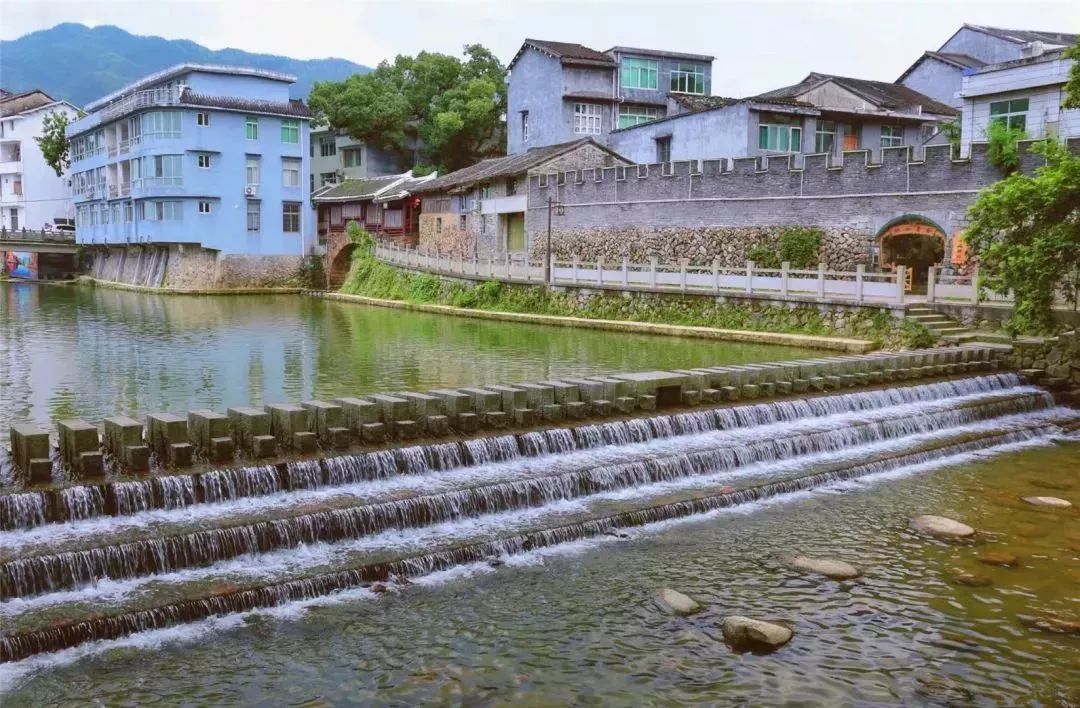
(1054, 502)
(1003, 558)
(678, 603)
(941, 526)
(830, 568)
(748, 634)
(1051, 622)
(958, 576)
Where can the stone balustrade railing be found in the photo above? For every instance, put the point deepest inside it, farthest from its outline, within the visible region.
(31, 235)
(174, 441)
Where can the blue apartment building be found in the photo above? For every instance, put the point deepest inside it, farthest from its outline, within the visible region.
(196, 155)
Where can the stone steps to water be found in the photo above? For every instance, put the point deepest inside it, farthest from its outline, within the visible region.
(352, 520)
(941, 325)
(55, 635)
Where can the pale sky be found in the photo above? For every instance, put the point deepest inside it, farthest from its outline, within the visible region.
(758, 45)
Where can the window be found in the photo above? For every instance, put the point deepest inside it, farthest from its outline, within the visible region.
(129, 212)
(254, 215)
(202, 119)
(204, 161)
(14, 219)
(463, 221)
(251, 128)
(204, 207)
(511, 187)
(115, 216)
(350, 157)
(155, 123)
(639, 73)
(663, 149)
(327, 146)
(825, 136)
(892, 135)
(253, 171)
(1012, 114)
(159, 170)
(780, 133)
(162, 211)
(462, 202)
(438, 225)
(290, 217)
(587, 118)
(688, 78)
(524, 126)
(630, 116)
(327, 178)
(290, 172)
(290, 131)
(485, 191)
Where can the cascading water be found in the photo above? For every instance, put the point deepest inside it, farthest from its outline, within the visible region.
(418, 509)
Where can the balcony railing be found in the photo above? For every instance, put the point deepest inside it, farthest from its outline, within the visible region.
(138, 100)
(147, 182)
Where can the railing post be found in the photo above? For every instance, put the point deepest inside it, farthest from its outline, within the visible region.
(749, 277)
(975, 285)
(716, 275)
(821, 280)
(901, 278)
(682, 273)
(600, 270)
(860, 271)
(653, 262)
(574, 267)
(784, 268)
(508, 265)
(625, 270)
(931, 276)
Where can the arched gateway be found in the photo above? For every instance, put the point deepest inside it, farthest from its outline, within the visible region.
(912, 241)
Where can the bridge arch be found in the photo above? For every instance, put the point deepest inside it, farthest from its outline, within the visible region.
(913, 241)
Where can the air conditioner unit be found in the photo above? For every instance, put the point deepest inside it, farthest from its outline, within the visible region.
(250, 191)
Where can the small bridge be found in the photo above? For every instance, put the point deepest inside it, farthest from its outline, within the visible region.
(38, 255)
(38, 241)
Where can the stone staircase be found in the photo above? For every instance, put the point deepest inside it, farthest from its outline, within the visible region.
(949, 329)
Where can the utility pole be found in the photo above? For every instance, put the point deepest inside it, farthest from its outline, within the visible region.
(560, 209)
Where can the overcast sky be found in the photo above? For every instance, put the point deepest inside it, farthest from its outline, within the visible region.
(758, 44)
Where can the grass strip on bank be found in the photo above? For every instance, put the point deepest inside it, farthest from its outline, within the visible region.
(371, 278)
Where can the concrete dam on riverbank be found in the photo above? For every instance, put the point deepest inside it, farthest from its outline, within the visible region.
(133, 530)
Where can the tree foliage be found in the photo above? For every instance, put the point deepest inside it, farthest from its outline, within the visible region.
(53, 141)
(1025, 231)
(452, 106)
(1072, 86)
(1002, 150)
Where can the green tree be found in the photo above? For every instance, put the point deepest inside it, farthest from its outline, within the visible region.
(53, 141)
(443, 110)
(1025, 231)
(1072, 86)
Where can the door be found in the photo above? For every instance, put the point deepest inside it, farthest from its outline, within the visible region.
(515, 232)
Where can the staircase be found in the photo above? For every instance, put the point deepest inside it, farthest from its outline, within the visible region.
(950, 330)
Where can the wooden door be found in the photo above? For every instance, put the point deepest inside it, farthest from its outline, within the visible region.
(515, 232)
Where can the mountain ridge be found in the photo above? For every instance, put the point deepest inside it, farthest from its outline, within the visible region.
(44, 59)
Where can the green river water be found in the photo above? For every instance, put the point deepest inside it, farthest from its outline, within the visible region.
(576, 625)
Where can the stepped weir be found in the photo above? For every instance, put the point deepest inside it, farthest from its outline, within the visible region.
(125, 531)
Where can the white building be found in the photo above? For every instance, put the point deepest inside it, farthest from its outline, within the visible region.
(31, 195)
(1024, 93)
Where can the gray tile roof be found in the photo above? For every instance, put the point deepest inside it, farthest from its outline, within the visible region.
(355, 188)
(1025, 36)
(293, 108)
(570, 51)
(960, 61)
(508, 166)
(661, 53)
(13, 104)
(889, 96)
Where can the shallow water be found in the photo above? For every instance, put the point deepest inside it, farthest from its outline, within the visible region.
(70, 351)
(579, 624)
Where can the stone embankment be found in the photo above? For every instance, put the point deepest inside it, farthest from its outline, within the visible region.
(178, 441)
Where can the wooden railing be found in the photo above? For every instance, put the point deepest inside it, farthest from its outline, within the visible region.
(785, 282)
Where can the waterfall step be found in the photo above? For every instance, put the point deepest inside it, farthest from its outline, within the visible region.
(195, 599)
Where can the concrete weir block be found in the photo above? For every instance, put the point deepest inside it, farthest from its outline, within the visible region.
(483, 400)
(511, 398)
(355, 412)
(577, 410)
(373, 432)
(691, 397)
(750, 390)
(600, 406)
(304, 441)
(496, 419)
(324, 417)
(286, 420)
(553, 412)
(710, 395)
(563, 392)
(168, 438)
(588, 390)
(624, 404)
(730, 393)
(467, 422)
(783, 388)
(30, 451)
(421, 405)
(406, 429)
(263, 446)
(437, 425)
(210, 435)
(646, 402)
(247, 424)
(537, 395)
(124, 441)
(452, 403)
(800, 385)
(80, 447)
(524, 417)
(767, 388)
(391, 409)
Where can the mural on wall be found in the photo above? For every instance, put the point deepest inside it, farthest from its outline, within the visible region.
(20, 264)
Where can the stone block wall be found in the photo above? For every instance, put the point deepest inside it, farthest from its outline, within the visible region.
(192, 268)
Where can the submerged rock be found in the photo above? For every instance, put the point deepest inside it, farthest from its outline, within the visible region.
(678, 603)
(941, 526)
(1003, 558)
(958, 576)
(830, 568)
(1051, 622)
(747, 634)
(378, 587)
(1054, 502)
